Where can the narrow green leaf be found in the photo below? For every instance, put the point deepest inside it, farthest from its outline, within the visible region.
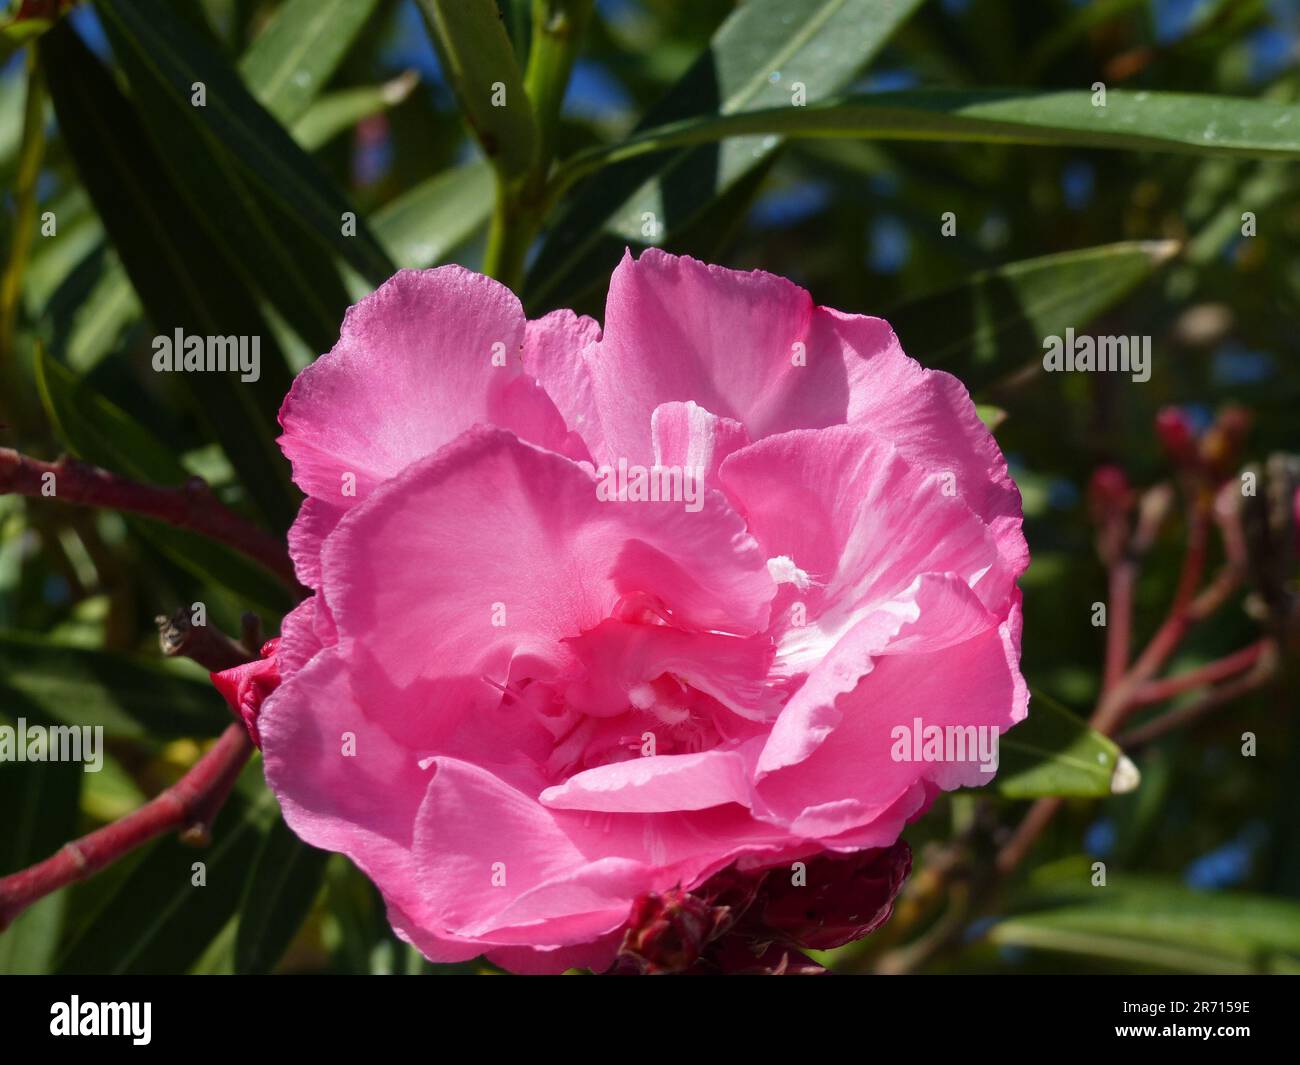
(425, 224)
(285, 68)
(128, 695)
(98, 431)
(1156, 922)
(269, 160)
(1269, 183)
(160, 921)
(1052, 752)
(94, 328)
(291, 60)
(991, 416)
(995, 321)
(339, 111)
(286, 878)
(183, 280)
(479, 63)
(755, 60)
(1131, 121)
(39, 800)
(270, 248)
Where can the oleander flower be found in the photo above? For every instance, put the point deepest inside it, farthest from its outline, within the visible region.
(600, 614)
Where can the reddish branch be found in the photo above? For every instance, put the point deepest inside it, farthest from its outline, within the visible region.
(1123, 576)
(1194, 711)
(1137, 687)
(191, 507)
(1126, 687)
(205, 644)
(189, 806)
(1157, 691)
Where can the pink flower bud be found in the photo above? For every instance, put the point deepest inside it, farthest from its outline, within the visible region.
(1177, 436)
(245, 687)
(1109, 493)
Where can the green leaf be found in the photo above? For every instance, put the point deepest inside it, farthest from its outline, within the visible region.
(285, 68)
(158, 920)
(755, 58)
(286, 878)
(1154, 922)
(1131, 121)
(478, 60)
(39, 800)
(266, 240)
(291, 60)
(1052, 752)
(111, 793)
(995, 321)
(97, 431)
(1261, 190)
(338, 111)
(130, 696)
(101, 318)
(426, 224)
(168, 59)
(183, 280)
(991, 416)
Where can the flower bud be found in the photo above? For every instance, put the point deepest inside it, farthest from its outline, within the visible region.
(843, 898)
(1177, 436)
(1109, 494)
(246, 687)
(668, 931)
(1222, 445)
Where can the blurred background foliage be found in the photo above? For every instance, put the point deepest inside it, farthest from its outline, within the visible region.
(227, 218)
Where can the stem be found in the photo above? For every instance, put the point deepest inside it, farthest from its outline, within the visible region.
(522, 204)
(192, 507)
(1117, 702)
(191, 804)
(510, 235)
(205, 644)
(558, 26)
(1264, 672)
(1123, 575)
(1157, 691)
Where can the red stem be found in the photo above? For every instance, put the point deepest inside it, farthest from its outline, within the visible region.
(1157, 691)
(1123, 575)
(189, 805)
(191, 507)
(1117, 702)
(1199, 708)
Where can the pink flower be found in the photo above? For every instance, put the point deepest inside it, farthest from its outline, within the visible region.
(600, 615)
